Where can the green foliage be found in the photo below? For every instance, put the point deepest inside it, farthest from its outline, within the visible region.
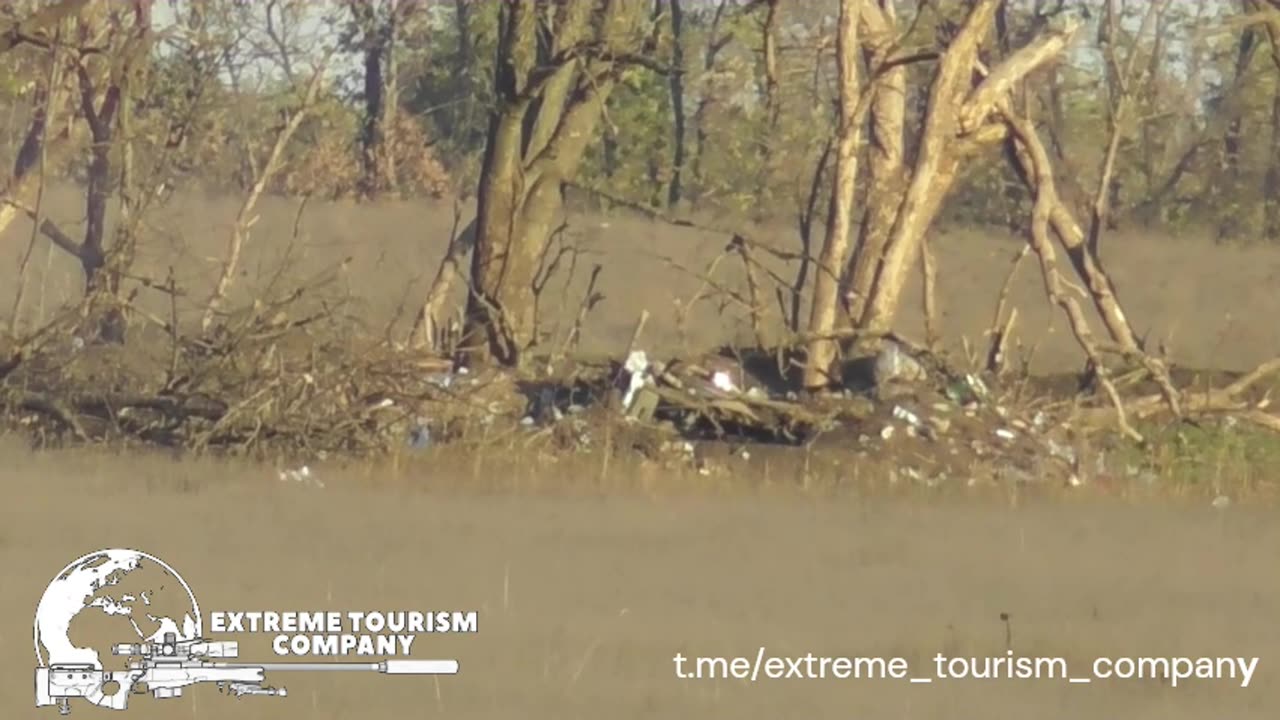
(452, 92)
(1200, 456)
(1173, 166)
(633, 155)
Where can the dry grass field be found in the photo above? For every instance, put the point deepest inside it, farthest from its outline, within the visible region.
(584, 598)
(587, 587)
(1210, 305)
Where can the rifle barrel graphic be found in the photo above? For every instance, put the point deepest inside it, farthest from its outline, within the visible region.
(166, 668)
(386, 667)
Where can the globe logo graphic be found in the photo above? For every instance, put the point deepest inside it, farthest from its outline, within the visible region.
(133, 596)
(140, 611)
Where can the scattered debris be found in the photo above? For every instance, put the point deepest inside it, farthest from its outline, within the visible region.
(637, 367)
(721, 381)
(419, 435)
(250, 391)
(301, 474)
(895, 364)
(903, 414)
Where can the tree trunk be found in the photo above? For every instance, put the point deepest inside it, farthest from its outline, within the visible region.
(676, 84)
(888, 117)
(379, 27)
(934, 172)
(101, 130)
(546, 117)
(390, 97)
(821, 350)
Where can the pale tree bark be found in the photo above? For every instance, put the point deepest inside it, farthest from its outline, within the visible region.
(935, 166)
(885, 148)
(821, 350)
(955, 126)
(1035, 164)
(1030, 162)
(547, 112)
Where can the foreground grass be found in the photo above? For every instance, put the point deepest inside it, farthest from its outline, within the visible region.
(1180, 462)
(1236, 459)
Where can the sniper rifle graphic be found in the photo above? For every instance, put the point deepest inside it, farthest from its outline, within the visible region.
(164, 669)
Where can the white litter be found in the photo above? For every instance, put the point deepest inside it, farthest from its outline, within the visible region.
(637, 365)
(302, 475)
(902, 413)
(722, 382)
